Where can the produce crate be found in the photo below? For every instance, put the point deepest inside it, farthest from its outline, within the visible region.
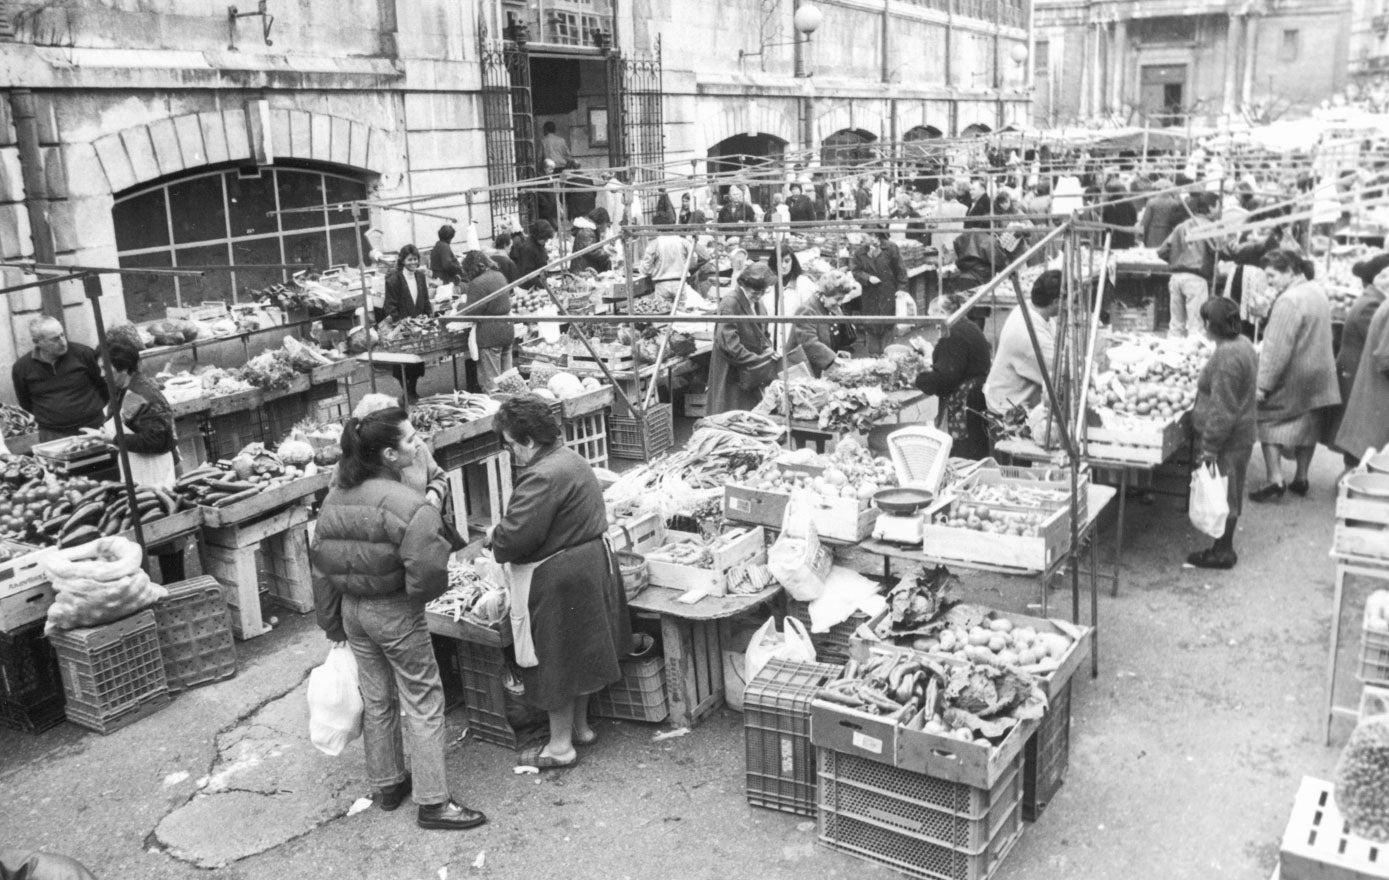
(847, 520)
(482, 668)
(1318, 845)
(639, 696)
(588, 436)
(1047, 756)
(1019, 552)
(1374, 656)
(831, 646)
(919, 825)
(195, 635)
(1362, 527)
(446, 655)
(734, 548)
(465, 630)
(25, 591)
(625, 434)
(266, 501)
(1139, 441)
(31, 687)
(776, 729)
(113, 675)
(589, 402)
(229, 433)
(695, 405)
(469, 450)
(1140, 318)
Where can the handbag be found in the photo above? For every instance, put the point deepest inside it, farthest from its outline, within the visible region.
(754, 378)
(843, 337)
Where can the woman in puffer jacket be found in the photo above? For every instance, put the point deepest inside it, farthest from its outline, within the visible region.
(379, 554)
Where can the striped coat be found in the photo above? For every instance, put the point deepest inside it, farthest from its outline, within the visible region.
(1297, 369)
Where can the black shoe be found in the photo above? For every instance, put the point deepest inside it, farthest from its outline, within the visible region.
(448, 816)
(1213, 558)
(1299, 487)
(393, 796)
(1268, 493)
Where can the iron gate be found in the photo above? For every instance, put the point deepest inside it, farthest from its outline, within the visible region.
(636, 133)
(509, 124)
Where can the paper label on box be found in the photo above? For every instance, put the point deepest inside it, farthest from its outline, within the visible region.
(868, 743)
(788, 756)
(742, 505)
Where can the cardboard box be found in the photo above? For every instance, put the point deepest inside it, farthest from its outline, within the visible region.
(734, 548)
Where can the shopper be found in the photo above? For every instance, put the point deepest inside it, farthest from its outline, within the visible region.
(1224, 417)
(690, 216)
(59, 382)
(1297, 372)
(877, 267)
(949, 222)
(742, 363)
(500, 255)
(1016, 377)
(423, 474)
(590, 229)
(800, 206)
(1192, 264)
(407, 296)
(668, 262)
(1121, 212)
(555, 148)
(529, 255)
(379, 555)
(148, 438)
(977, 197)
(819, 340)
(494, 338)
(1374, 273)
(736, 212)
(1366, 422)
(959, 367)
(1162, 213)
(564, 576)
(443, 263)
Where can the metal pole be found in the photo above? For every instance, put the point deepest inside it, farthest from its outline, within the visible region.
(366, 294)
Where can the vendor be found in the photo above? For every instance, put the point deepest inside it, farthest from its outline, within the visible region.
(959, 367)
(1016, 377)
(148, 438)
(552, 540)
(821, 341)
(529, 255)
(589, 229)
(494, 338)
(877, 267)
(742, 362)
(407, 296)
(667, 261)
(59, 382)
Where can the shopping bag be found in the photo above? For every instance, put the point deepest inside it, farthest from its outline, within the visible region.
(906, 308)
(335, 703)
(767, 645)
(1209, 505)
(798, 560)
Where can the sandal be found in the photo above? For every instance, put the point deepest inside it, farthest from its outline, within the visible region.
(533, 757)
(1268, 493)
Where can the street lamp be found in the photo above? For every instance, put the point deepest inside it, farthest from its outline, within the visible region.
(807, 21)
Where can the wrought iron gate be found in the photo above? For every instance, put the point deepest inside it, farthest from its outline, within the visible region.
(509, 127)
(636, 133)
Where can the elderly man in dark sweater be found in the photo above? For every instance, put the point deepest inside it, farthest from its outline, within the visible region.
(60, 382)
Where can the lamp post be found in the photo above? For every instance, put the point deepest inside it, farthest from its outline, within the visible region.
(807, 20)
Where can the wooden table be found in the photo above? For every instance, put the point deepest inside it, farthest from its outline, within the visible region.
(1097, 498)
(692, 637)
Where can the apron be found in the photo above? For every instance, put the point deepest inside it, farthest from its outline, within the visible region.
(519, 575)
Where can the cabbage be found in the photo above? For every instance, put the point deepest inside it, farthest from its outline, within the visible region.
(544, 394)
(565, 385)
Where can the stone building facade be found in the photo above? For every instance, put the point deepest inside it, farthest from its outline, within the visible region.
(145, 138)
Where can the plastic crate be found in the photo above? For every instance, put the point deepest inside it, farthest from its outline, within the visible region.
(1374, 656)
(1047, 756)
(112, 674)
(446, 655)
(484, 696)
(831, 646)
(195, 634)
(1318, 843)
(625, 434)
(588, 436)
(279, 416)
(470, 450)
(921, 826)
(776, 729)
(639, 696)
(31, 687)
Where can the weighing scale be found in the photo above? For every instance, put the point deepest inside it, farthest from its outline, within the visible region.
(901, 519)
(919, 456)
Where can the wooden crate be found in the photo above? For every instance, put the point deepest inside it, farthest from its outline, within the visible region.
(836, 519)
(466, 631)
(342, 369)
(1316, 843)
(271, 499)
(1141, 442)
(638, 533)
(479, 492)
(280, 539)
(166, 529)
(738, 547)
(25, 590)
(594, 401)
(997, 477)
(1004, 551)
(588, 436)
(1362, 527)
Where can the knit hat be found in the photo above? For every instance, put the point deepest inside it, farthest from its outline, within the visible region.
(1366, 270)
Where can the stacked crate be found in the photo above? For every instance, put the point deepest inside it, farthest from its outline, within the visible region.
(195, 634)
(640, 695)
(113, 675)
(31, 688)
(776, 726)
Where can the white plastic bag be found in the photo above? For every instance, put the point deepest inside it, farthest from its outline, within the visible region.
(767, 645)
(1209, 504)
(798, 560)
(335, 703)
(906, 308)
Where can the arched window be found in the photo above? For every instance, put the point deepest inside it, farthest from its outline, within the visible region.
(747, 151)
(978, 129)
(848, 146)
(224, 217)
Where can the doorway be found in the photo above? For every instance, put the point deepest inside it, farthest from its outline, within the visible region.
(1162, 93)
(742, 151)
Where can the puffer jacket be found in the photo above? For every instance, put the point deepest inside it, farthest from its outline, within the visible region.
(380, 538)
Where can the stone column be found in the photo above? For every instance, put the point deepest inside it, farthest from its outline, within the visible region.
(1117, 63)
(1248, 31)
(1232, 44)
(1087, 71)
(1097, 82)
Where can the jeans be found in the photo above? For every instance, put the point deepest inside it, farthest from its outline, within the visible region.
(1186, 293)
(397, 670)
(492, 362)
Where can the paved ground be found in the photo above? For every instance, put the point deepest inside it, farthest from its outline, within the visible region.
(1186, 753)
